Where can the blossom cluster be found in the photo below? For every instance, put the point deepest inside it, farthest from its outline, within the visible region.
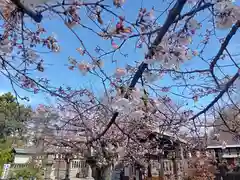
(227, 13)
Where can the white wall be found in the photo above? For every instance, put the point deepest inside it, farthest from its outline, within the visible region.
(21, 159)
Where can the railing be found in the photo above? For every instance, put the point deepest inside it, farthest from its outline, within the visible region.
(78, 168)
(16, 166)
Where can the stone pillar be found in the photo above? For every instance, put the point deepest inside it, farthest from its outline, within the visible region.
(137, 174)
(161, 166)
(108, 173)
(47, 171)
(178, 152)
(181, 152)
(89, 176)
(213, 153)
(67, 160)
(126, 171)
(52, 174)
(149, 170)
(175, 157)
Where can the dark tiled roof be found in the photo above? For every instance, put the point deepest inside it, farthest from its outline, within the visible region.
(25, 150)
(196, 143)
(224, 135)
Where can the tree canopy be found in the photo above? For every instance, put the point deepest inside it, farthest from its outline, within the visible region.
(27, 173)
(155, 67)
(12, 115)
(6, 150)
(12, 119)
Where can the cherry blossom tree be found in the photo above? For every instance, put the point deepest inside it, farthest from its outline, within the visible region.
(176, 86)
(202, 167)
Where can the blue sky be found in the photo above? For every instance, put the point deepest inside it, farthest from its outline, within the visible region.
(59, 74)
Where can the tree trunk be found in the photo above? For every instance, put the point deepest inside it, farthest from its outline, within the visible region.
(98, 173)
(175, 168)
(67, 169)
(149, 174)
(102, 173)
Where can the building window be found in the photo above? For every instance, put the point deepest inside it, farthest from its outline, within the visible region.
(237, 151)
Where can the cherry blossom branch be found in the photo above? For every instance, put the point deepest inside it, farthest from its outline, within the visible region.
(181, 72)
(70, 4)
(129, 137)
(194, 11)
(226, 124)
(106, 129)
(230, 56)
(34, 81)
(222, 48)
(179, 18)
(173, 13)
(212, 65)
(219, 96)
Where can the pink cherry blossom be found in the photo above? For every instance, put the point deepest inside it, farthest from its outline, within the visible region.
(120, 72)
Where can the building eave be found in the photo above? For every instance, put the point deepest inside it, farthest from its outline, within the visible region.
(221, 147)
